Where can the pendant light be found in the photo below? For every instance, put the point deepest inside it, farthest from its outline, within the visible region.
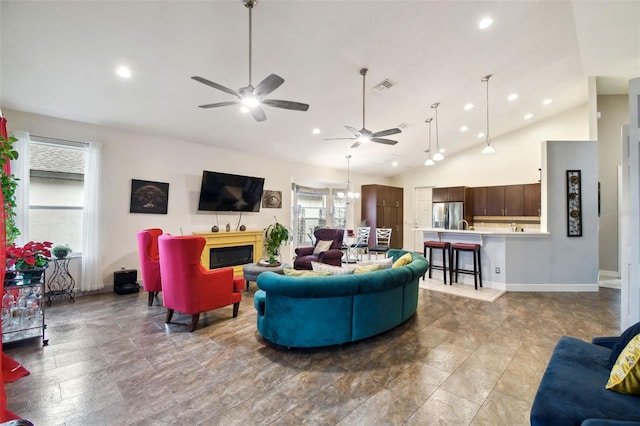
(488, 149)
(429, 161)
(349, 196)
(438, 155)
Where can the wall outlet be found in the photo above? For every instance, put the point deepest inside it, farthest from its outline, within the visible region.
(497, 270)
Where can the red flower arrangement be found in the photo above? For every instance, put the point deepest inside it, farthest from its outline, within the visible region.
(31, 255)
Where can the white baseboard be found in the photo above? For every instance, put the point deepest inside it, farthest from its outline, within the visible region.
(609, 274)
(553, 287)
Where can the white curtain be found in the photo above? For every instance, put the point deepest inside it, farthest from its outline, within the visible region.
(21, 169)
(91, 234)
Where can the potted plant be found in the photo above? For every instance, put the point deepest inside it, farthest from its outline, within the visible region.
(9, 183)
(61, 251)
(275, 235)
(30, 259)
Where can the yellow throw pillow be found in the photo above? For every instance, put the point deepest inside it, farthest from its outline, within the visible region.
(322, 246)
(304, 273)
(625, 374)
(361, 269)
(405, 259)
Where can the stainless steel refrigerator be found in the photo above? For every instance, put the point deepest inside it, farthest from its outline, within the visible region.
(448, 215)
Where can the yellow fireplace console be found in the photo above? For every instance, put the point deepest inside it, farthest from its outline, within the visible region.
(231, 239)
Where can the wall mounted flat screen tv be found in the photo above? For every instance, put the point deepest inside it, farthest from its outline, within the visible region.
(230, 193)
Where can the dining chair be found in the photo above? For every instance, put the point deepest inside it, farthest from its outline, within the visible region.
(361, 244)
(383, 242)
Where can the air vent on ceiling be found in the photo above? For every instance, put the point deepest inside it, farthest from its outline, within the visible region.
(403, 125)
(384, 85)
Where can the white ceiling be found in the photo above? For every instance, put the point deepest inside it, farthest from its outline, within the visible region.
(58, 59)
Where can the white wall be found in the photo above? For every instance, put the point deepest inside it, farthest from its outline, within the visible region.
(614, 112)
(516, 160)
(630, 273)
(129, 155)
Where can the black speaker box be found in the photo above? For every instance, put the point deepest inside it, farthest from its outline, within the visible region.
(125, 281)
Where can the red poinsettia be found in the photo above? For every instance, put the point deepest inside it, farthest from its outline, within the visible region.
(31, 255)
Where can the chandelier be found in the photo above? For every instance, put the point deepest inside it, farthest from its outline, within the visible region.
(348, 196)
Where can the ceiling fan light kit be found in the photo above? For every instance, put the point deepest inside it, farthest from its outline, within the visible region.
(365, 135)
(251, 98)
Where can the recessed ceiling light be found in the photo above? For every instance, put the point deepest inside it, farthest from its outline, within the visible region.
(481, 135)
(394, 164)
(124, 72)
(513, 97)
(244, 109)
(464, 129)
(468, 106)
(316, 131)
(485, 23)
(547, 102)
(528, 116)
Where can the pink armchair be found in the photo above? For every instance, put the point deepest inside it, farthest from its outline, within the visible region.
(332, 256)
(187, 286)
(149, 261)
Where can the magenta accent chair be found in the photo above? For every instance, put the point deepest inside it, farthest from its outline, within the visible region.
(333, 256)
(149, 261)
(187, 286)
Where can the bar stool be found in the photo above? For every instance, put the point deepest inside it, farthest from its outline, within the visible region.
(456, 248)
(446, 254)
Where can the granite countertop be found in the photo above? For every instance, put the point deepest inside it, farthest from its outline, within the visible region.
(497, 232)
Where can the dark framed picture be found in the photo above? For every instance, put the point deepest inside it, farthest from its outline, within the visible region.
(574, 204)
(149, 197)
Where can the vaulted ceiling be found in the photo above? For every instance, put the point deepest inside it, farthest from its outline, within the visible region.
(58, 58)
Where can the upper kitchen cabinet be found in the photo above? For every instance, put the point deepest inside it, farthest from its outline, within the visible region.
(454, 193)
(507, 200)
(479, 201)
(532, 199)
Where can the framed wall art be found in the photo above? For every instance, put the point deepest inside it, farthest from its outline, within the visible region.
(574, 204)
(272, 199)
(149, 197)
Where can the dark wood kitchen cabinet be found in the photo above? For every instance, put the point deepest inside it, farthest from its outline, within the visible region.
(507, 200)
(382, 207)
(454, 193)
(479, 201)
(495, 201)
(532, 199)
(514, 200)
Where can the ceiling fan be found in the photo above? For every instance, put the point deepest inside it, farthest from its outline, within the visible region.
(253, 97)
(365, 135)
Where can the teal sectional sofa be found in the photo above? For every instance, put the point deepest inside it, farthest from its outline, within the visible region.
(304, 312)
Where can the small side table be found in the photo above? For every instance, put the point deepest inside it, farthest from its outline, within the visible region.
(252, 270)
(61, 283)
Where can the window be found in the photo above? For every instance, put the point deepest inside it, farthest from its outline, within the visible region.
(56, 199)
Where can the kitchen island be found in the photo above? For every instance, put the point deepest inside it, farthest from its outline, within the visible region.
(513, 261)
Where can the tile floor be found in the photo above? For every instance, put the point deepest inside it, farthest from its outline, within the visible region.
(459, 361)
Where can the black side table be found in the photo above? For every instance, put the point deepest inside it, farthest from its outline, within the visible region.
(61, 283)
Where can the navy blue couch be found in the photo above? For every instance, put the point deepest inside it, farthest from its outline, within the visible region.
(302, 312)
(572, 390)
